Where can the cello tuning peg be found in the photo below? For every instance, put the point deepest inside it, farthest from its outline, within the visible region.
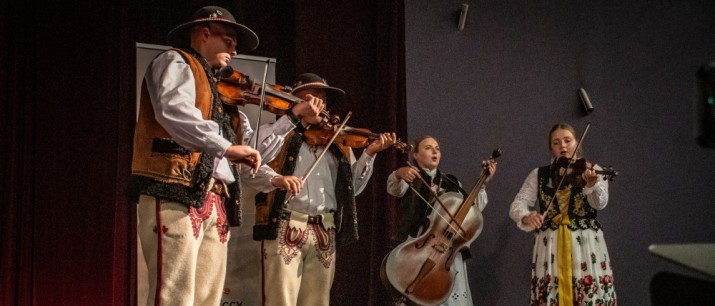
(496, 153)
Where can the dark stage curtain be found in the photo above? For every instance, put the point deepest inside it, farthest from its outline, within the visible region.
(67, 91)
(16, 153)
(363, 54)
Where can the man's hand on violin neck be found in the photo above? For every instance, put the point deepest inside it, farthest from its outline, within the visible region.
(385, 141)
(310, 108)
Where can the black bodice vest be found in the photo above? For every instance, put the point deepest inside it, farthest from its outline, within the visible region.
(581, 214)
(414, 212)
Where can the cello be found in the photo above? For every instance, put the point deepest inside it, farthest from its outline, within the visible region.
(421, 269)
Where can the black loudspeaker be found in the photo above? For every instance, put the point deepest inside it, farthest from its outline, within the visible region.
(673, 289)
(585, 100)
(705, 106)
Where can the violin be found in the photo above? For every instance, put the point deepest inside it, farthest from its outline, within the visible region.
(569, 172)
(349, 136)
(236, 88)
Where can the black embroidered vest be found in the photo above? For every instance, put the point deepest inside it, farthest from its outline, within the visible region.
(269, 206)
(581, 214)
(414, 212)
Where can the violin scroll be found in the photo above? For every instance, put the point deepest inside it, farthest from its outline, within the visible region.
(232, 85)
(608, 173)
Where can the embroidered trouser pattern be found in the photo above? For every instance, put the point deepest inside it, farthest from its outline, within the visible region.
(299, 266)
(185, 250)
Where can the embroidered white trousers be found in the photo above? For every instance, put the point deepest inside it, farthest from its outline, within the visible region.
(185, 250)
(299, 266)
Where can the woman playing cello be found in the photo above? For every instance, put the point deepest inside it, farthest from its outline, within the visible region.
(415, 208)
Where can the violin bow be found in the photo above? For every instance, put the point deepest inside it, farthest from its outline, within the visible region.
(260, 111)
(571, 160)
(325, 149)
(436, 197)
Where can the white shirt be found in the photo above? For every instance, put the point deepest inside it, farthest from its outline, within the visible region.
(398, 187)
(271, 139)
(525, 200)
(318, 193)
(172, 90)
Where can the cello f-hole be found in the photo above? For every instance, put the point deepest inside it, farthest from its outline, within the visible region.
(424, 242)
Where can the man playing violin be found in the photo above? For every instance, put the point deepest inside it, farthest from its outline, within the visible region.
(182, 171)
(299, 238)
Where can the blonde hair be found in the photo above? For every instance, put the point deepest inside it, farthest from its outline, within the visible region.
(568, 127)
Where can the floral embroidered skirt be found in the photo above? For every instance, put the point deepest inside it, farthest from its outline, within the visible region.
(592, 275)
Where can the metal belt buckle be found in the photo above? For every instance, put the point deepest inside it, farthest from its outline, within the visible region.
(317, 219)
(219, 188)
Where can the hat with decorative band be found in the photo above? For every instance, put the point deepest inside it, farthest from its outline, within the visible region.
(312, 80)
(247, 40)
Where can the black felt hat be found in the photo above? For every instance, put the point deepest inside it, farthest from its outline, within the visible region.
(312, 80)
(247, 40)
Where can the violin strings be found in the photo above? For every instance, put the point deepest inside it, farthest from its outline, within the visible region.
(434, 194)
(322, 153)
(438, 214)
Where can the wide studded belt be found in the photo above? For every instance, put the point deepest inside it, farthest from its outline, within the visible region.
(325, 219)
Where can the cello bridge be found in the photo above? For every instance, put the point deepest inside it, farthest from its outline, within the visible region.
(440, 247)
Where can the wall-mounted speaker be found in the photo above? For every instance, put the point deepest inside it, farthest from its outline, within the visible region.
(705, 106)
(585, 100)
(463, 16)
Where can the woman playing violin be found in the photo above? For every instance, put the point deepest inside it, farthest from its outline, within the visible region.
(300, 221)
(415, 212)
(570, 264)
